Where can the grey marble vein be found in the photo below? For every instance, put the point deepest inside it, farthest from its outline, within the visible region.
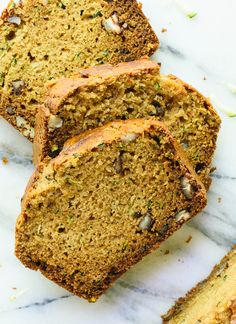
(212, 226)
(222, 176)
(142, 291)
(169, 48)
(45, 302)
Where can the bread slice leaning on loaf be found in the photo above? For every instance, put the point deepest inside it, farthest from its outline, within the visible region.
(213, 301)
(110, 198)
(41, 40)
(127, 90)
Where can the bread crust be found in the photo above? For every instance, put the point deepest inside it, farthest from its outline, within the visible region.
(208, 105)
(112, 132)
(60, 90)
(180, 303)
(78, 146)
(146, 35)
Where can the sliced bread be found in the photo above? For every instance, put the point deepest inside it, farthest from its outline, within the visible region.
(111, 197)
(128, 90)
(45, 39)
(213, 301)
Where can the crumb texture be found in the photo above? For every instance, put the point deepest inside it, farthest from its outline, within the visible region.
(44, 40)
(109, 198)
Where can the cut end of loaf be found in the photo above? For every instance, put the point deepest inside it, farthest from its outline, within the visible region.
(110, 198)
(219, 290)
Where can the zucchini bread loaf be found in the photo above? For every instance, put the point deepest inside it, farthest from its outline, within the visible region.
(128, 90)
(45, 39)
(110, 197)
(212, 301)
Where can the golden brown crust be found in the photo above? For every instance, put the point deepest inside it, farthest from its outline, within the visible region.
(61, 89)
(107, 134)
(207, 104)
(180, 303)
(187, 86)
(112, 132)
(39, 147)
(33, 179)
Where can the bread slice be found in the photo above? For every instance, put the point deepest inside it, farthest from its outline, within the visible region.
(110, 197)
(213, 301)
(41, 40)
(128, 90)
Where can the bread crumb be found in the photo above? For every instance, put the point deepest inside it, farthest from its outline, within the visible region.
(219, 200)
(189, 239)
(5, 160)
(164, 30)
(167, 252)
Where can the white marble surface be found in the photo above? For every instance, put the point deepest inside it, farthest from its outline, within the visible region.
(193, 49)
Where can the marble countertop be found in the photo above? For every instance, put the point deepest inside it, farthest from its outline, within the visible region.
(201, 51)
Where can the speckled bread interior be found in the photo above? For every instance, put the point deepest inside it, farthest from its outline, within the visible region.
(111, 197)
(213, 301)
(128, 90)
(41, 40)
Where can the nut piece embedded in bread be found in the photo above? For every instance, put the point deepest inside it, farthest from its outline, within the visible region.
(213, 301)
(129, 90)
(111, 197)
(44, 40)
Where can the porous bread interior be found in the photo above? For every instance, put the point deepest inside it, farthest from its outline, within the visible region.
(82, 219)
(189, 117)
(210, 302)
(54, 40)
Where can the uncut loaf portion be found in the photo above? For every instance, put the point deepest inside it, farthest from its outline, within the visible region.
(41, 40)
(110, 198)
(128, 90)
(213, 301)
